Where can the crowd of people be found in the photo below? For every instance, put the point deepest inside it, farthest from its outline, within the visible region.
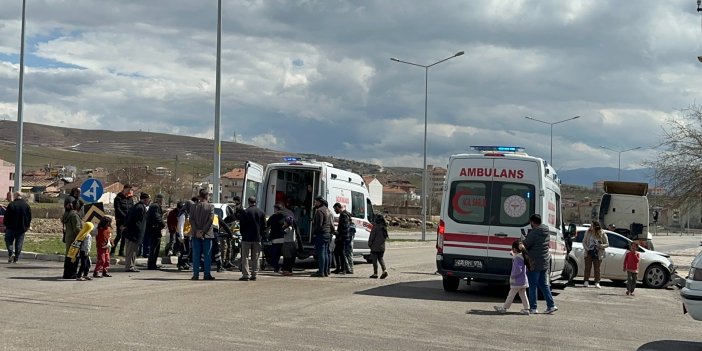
(204, 242)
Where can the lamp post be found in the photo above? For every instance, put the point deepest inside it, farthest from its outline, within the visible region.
(551, 124)
(426, 95)
(20, 120)
(619, 171)
(217, 143)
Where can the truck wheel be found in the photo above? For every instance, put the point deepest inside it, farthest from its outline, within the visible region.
(451, 283)
(656, 276)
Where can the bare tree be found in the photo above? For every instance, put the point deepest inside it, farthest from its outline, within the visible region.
(679, 163)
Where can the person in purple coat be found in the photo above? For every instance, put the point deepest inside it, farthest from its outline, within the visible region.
(518, 282)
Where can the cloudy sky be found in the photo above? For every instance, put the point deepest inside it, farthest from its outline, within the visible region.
(316, 76)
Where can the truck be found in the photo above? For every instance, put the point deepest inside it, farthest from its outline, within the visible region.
(624, 209)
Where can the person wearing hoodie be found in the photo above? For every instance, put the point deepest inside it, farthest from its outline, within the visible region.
(123, 202)
(536, 244)
(376, 244)
(72, 224)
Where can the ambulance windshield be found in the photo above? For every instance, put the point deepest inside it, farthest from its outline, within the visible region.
(491, 203)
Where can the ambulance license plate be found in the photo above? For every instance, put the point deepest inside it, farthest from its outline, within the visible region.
(477, 264)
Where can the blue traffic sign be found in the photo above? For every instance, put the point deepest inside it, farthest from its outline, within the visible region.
(91, 190)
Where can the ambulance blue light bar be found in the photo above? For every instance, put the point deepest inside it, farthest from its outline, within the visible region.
(291, 159)
(498, 148)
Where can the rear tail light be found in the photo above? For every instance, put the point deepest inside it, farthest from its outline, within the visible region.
(695, 274)
(440, 231)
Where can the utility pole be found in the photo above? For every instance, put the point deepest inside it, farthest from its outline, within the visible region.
(216, 172)
(175, 177)
(20, 117)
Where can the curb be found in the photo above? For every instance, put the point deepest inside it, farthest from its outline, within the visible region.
(113, 261)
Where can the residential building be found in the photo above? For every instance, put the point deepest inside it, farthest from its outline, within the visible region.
(232, 184)
(162, 172)
(437, 176)
(598, 185)
(375, 189)
(657, 191)
(7, 177)
(394, 196)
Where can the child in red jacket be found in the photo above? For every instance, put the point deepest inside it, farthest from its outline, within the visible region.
(104, 243)
(631, 267)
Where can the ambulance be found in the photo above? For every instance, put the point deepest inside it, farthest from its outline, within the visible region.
(296, 182)
(488, 199)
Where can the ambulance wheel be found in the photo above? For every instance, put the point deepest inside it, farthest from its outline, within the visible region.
(451, 283)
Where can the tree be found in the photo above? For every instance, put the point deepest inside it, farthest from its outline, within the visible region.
(679, 163)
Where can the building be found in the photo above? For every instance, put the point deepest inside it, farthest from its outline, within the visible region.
(394, 196)
(375, 189)
(657, 191)
(162, 172)
(7, 177)
(598, 186)
(232, 184)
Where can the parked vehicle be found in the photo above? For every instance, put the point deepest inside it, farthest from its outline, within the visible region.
(2, 218)
(488, 199)
(296, 182)
(625, 205)
(691, 293)
(656, 269)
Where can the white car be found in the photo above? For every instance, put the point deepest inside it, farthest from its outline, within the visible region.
(691, 293)
(655, 268)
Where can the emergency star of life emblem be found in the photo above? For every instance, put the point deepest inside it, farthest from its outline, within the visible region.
(515, 206)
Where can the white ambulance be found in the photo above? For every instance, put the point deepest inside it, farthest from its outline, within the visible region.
(297, 182)
(488, 199)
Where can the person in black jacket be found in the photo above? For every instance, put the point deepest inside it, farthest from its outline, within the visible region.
(154, 228)
(252, 225)
(276, 225)
(537, 246)
(134, 230)
(18, 218)
(343, 242)
(322, 227)
(123, 202)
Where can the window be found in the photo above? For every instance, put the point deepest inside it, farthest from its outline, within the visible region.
(251, 189)
(558, 211)
(358, 205)
(12, 176)
(618, 241)
(369, 206)
(470, 203)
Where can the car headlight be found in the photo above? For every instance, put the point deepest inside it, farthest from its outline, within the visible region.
(695, 274)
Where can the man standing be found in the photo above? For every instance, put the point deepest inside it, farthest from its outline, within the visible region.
(343, 243)
(123, 202)
(72, 225)
(322, 227)
(18, 218)
(154, 228)
(536, 244)
(253, 222)
(276, 225)
(202, 235)
(134, 231)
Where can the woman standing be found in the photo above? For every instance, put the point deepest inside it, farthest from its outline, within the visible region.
(594, 243)
(376, 243)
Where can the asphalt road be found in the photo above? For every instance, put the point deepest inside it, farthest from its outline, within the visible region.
(164, 310)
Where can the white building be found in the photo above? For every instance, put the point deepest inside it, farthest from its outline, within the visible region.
(375, 189)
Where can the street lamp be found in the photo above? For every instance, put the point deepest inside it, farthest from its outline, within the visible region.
(619, 171)
(551, 124)
(20, 120)
(426, 94)
(216, 172)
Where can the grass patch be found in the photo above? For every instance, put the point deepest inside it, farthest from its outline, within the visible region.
(47, 244)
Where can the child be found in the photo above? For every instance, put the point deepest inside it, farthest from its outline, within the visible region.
(104, 244)
(84, 256)
(631, 267)
(518, 279)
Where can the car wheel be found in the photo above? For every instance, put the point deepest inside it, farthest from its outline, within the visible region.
(570, 270)
(451, 283)
(656, 276)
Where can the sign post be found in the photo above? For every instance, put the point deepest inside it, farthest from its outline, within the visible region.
(91, 190)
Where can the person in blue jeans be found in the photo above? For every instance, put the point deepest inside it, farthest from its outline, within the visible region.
(537, 246)
(202, 248)
(323, 227)
(202, 235)
(18, 218)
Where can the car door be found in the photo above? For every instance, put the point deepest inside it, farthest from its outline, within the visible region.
(252, 183)
(579, 252)
(614, 257)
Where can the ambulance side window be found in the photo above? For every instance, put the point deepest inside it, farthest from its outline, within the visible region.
(469, 202)
(371, 215)
(516, 204)
(558, 211)
(358, 205)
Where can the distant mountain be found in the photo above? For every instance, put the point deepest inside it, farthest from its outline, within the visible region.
(587, 176)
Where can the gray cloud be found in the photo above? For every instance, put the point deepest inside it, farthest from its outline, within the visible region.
(316, 77)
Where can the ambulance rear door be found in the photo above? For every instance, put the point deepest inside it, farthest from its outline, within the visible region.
(252, 184)
(515, 194)
(467, 216)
